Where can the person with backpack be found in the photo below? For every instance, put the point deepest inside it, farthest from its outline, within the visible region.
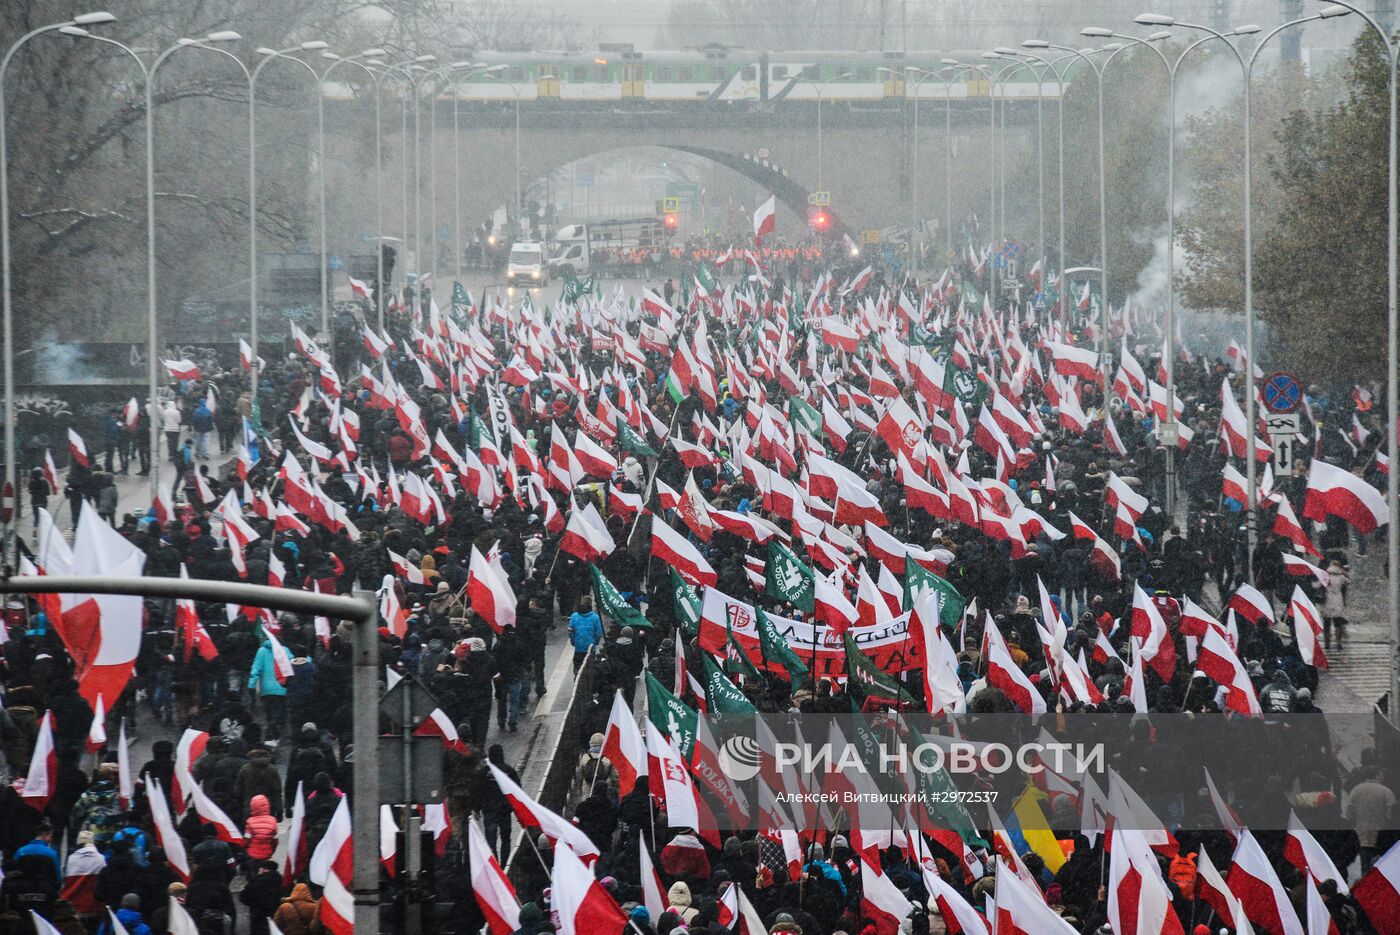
(99, 809)
(262, 679)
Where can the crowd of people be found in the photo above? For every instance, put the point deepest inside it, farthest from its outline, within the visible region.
(527, 484)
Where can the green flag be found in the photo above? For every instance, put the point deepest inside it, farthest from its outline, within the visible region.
(671, 716)
(736, 661)
(705, 278)
(610, 602)
(461, 301)
(789, 578)
(803, 414)
(863, 675)
(477, 431)
(687, 604)
(776, 649)
(940, 797)
(575, 289)
(631, 441)
(950, 603)
(721, 695)
(963, 384)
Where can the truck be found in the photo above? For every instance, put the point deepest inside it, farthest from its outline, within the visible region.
(579, 248)
(528, 264)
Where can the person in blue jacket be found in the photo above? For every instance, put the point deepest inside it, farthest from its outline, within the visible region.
(262, 679)
(585, 630)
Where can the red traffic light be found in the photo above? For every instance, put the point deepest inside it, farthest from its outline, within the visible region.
(820, 220)
(671, 221)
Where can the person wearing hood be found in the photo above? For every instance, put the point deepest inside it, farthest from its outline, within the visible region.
(129, 915)
(685, 857)
(262, 894)
(678, 899)
(641, 921)
(533, 921)
(80, 878)
(632, 470)
(298, 912)
(260, 830)
(262, 679)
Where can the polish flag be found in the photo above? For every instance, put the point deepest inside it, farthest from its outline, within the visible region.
(765, 219)
(80, 879)
(1255, 884)
(294, 858)
(830, 605)
(959, 918)
(1071, 361)
(210, 814)
(281, 659)
(1307, 628)
(623, 746)
(1252, 605)
(41, 780)
(490, 885)
(77, 451)
(942, 689)
(360, 288)
(1233, 484)
(1021, 909)
(585, 535)
(1138, 899)
(189, 749)
(490, 593)
(332, 867)
(881, 901)
(584, 907)
(1158, 650)
(1378, 891)
(532, 814)
(166, 836)
(653, 892)
(1301, 850)
(97, 732)
(102, 632)
(693, 456)
(1003, 673)
(1286, 524)
(675, 550)
(1219, 661)
(1334, 492)
(183, 369)
(245, 356)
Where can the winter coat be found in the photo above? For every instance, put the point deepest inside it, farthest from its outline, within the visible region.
(260, 830)
(259, 779)
(263, 675)
(297, 912)
(1336, 603)
(678, 900)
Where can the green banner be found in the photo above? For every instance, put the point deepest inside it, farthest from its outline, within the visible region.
(610, 601)
(721, 695)
(776, 649)
(950, 603)
(736, 661)
(806, 416)
(671, 716)
(864, 676)
(461, 301)
(631, 441)
(686, 603)
(789, 578)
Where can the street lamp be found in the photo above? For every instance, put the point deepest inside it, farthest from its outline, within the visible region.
(820, 87)
(468, 69)
(335, 62)
(457, 168)
(519, 207)
(1018, 63)
(992, 151)
(923, 75)
(11, 454)
(152, 346)
(268, 55)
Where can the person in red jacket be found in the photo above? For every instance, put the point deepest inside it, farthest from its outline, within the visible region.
(260, 831)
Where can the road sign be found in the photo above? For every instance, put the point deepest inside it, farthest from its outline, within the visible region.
(1283, 454)
(1282, 392)
(426, 754)
(670, 204)
(421, 702)
(1283, 424)
(821, 199)
(870, 235)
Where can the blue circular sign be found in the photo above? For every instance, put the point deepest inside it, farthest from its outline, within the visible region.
(1282, 392)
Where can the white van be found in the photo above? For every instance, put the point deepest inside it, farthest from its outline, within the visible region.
(527, 265)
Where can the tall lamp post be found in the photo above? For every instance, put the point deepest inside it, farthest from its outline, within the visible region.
(820, 87)
(148, 76)
(992, 151)
(335, 62)
(515, 92)
(268, 55)
(11, 454)
(457, 169)
(923, 75)
(1018, 63)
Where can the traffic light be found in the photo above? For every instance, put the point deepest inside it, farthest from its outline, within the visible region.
(821, 220)
(671, 221)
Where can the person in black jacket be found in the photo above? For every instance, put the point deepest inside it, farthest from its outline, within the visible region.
(262, 895)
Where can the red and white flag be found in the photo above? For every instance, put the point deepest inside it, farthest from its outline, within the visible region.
(532, 814)
(1303, 851)
(765, 219)
(490, 593)
(623, 746)
(1255, 884)
(332, 868)
(294, 858)
(492, 889)
(210, 814)
(77, 450)
(584, 907)
(166, 836)
(183, 369)
(585, 535)
(881, 901)
(102, 632)
(675, 550)
(1378, 891)
(1138, 899)
(1307, 628)
(40, 782)
(1335, 492)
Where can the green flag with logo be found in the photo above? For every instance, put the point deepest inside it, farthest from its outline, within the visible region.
(687, 604)
(939, 796)
(721, 695)
(575, 289)
(789, 578)
(611, 602)
(963, 384)
(705, 278)
(871, 681)
(631, 441)
(950, 603)
(461, 301)
(776, 649)
(671, 715)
